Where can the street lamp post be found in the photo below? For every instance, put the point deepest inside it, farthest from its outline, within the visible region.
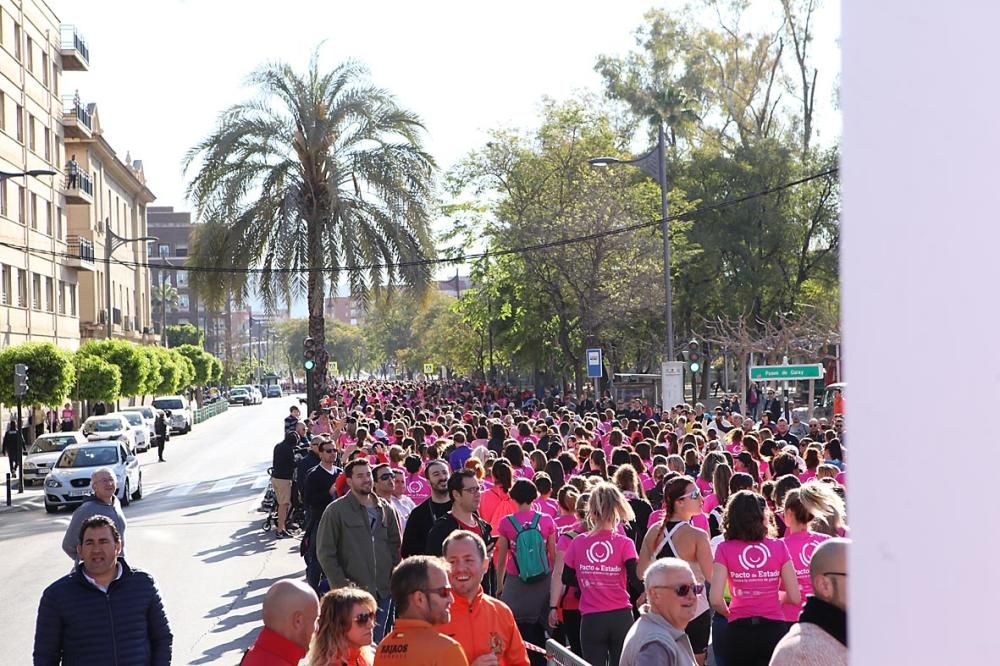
(111, 243)
(654, 164)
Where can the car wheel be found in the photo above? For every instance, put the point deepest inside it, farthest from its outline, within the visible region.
(49, 508)
(138, 491)
(126, 497)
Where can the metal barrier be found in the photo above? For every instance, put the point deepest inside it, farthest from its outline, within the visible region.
(209, 411)
(559, 655)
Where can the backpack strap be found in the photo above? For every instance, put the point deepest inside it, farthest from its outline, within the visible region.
(517, 526)
(534, 521)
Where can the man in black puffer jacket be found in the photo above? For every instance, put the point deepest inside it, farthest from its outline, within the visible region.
(104, 612)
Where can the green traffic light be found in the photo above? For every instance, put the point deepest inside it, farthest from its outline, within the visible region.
(695, 367)
(310, 364)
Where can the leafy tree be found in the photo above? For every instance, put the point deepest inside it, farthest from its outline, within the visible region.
(322, 170)
(155, 376)
(165, 294)
(202, 362)
(127, 357)
(170, 372)
(216, 373)
(185, 334)
(96, 379)
(50, 373)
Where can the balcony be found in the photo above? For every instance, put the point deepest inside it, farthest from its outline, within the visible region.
(81, 253)
(73, 50)
(79, 189)
(77, 121)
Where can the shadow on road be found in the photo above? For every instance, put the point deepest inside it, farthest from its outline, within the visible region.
(245, 541)
(215, 653)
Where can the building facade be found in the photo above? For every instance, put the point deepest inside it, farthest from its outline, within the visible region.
(41, 263)
(173, 230)
(346, 310)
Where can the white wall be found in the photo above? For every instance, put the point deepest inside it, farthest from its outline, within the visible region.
(921, 269)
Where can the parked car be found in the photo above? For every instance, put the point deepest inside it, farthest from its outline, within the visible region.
(257, 398)
(68, 483)
(274, 391)
(181, 414)
(45, 451)
(240, 396)
(148, 415)
(110, 427)
(143, 434)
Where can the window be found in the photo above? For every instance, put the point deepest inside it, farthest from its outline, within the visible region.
(62, 297)
(29, 52)
(164, 249)
(49, 295)
(59, 223)
(3, 112)
(32, 136)
(5, 285)
(48, 145)
(20, 123)
(21, 217)
(17, 42)
(72, 300)
(34, 211)
(182, 278)
(3, 198)
(36, 291)
(48, 217)
(55, 78)
(182, 252)
(182, 302)
(45, 70)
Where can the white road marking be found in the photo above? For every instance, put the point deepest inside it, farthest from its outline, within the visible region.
(182, 490)
(224, 485)
(261, 482)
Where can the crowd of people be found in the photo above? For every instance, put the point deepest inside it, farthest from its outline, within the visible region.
(475, 524)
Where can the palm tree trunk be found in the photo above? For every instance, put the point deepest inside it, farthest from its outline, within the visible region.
(317, 324)
(229, 339)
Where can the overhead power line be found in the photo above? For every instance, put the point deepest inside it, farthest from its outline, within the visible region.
(455, 259)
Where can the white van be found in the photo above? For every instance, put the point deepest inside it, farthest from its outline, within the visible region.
(181, 414)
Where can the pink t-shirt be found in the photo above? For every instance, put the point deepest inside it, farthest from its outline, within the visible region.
(734, 447)
(842, 478)
(548, 506)
(648, 483)
(711, 501)
(570, 600)
(418, 488)
(546, 526)
(704, 486)
(807, 475)
(566, 522)
(599, 560)
(655, 517)
(700, 521)
(754, 572)
(801, 547)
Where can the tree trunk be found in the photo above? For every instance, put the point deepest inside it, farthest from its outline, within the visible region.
(229, 339)
(317, 324)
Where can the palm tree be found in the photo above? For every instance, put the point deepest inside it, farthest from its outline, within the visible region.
(163, 297)
(321, 174)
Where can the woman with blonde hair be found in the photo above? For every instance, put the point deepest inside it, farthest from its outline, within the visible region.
(826, 507)
(344, 630)
(602, 564)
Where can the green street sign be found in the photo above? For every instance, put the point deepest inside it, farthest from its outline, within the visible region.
(770, 373)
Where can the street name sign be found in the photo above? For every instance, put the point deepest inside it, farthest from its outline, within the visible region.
(770, 373)
(595, 363)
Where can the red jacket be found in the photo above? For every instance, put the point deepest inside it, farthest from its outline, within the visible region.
(273, 649)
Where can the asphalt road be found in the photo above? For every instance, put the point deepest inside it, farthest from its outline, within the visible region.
(196, 530)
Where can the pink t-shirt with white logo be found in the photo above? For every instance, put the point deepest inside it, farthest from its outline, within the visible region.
(704, 486)
(801, 546)
(548, 506)
(599, 561)
(566, 522)
(418, 488)
(754, 572)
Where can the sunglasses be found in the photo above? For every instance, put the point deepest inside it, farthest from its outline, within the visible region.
(694, 494)
(385, 477)
(443, 592)
(364, 618)
(682, 590)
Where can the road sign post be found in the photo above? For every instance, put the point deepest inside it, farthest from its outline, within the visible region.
(20, 390)
(428, 369)
(785, 373)
(595, 370)
(671, 384)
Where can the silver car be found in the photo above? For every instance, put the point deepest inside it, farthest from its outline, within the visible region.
(113, 427)
(143, 435)
(68, 484)
(45, 451)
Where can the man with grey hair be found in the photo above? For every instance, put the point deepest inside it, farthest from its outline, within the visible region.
(102, 503)
(657, 638)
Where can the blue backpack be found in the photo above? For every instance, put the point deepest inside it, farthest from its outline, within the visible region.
(529, 551)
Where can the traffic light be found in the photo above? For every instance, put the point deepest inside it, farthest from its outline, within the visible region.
(308, 354)
(20, 380)
(694, 357)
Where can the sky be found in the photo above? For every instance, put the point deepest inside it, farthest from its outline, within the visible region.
(161, 71)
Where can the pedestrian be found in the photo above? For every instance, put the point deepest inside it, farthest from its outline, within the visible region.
(282, 471)
(68, 418)
(72, 172)
(344, 630)
(423, 598)
(820, 636)
(160, 425)
(799, 511)
(104, 612)
(676, 538)
(290, 608)
(659, 638)
(602, 564)
(474, 614)
(755, 566)
(564, 600)
(320, 490)
(401, 502)
(103, 502)
(293, 418)
(463, 488)
(13, 447)
(422, 518)
(357, 540)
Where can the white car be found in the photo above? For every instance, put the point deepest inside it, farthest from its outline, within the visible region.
(255, 395)
(110, 427)
(148, 415)
(143, 435)
(181, 414)
(68, 484)
(45, 451)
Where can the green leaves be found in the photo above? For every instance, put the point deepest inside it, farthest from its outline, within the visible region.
(127, 357)
(96, 379)
(50, 373)
(185, 334)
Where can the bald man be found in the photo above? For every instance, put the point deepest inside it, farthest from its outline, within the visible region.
(290, 610)
(658, 637)
(820, 637)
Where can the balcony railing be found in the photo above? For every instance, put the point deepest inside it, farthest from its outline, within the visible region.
(77, 120)
(73, 49)
(79, 188)
(80, 251)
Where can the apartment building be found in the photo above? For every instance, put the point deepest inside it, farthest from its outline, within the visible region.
(173, 229)
(41, 266)
(346, 310)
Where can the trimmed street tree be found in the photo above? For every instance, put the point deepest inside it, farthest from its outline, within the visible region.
(201, 360)
(133, 364)
(50, 373)
(96, 379)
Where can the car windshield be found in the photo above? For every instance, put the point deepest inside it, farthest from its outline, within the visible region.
(168, 403)
(103, 425)
(90, 456)
(235, 391)
(51, 444)
(145, 412)
(134, 418)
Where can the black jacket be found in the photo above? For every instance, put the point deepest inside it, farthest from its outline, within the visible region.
(283, 462)
(13, 444)
(79, 624)
(419, 525)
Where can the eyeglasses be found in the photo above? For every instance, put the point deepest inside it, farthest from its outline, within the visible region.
(834, 573)
(682, 590)
(475, 490)
(385, 477)
(443, 592)
(694, 494)
(364, 618)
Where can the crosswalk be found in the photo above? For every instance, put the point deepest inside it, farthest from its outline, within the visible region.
(237, 484)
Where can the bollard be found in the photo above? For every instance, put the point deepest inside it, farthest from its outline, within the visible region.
(8, 488)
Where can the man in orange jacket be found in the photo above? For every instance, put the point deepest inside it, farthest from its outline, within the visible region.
(482, 625)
